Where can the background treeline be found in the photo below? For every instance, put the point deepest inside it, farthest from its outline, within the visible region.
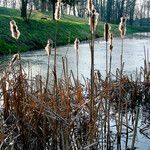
(137, 11)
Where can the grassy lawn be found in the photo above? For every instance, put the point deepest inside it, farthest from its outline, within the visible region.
(34, 35)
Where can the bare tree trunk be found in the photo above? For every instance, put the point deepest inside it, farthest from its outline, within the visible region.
(13, 4)
(53, 3)
(5, 3)
(109, 10)
(132, 12)
(24, 9)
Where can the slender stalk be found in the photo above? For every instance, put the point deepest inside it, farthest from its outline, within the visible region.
(120, 101)
(92, 75)
(48, 67)
(77, 63)
(110, 64)
(126, 124)
(106, 59)
(121, 59)
(135, 128)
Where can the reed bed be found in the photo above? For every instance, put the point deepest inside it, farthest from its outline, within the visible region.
(65, 114)
(58, 116)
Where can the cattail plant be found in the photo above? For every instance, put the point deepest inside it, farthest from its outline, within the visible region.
(93, 19)
(90, 6)
(58, 11)
(76, 46)
(122, 29)
(14, 30)
(106, 37)
(107, 107)
(48, 49)
(93, 23)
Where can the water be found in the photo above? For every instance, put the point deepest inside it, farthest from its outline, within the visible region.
(133, 57)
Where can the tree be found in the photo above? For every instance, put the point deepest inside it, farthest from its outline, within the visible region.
(24, 9)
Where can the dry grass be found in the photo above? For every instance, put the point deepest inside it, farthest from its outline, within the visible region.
(59, 117)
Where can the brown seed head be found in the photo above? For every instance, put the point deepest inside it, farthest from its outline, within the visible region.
(122, 27)
(107, 28)
(111, 39)
(76, 44)
(93, 20)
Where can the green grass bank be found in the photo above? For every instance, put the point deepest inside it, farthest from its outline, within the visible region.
(34, 35)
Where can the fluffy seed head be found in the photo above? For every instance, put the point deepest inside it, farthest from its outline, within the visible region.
(93, 20)
(107, 28)
(76, 44)
(14, 30)
(58, 11)
(111, 39)
(122, 27)
(49, 47)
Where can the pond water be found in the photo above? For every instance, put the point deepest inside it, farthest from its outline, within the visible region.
(133, 58)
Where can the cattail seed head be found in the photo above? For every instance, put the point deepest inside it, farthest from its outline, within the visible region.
(15, 58)
(49, 47)
(93, 20)
(90, 6)
(111, 39)
(122, 27)
(58, 11)
(76, 44)
(14, 30)
(107, 28)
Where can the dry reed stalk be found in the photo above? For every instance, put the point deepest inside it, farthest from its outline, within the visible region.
(122, 29)
(76, 46)
(107, 37)
(126, 112)
(48, 49)
(135, 128)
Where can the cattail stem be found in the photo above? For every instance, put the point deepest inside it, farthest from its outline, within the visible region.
(48, 68)
(120, 100)
(55, 72)
(110, 65)
(77, 61)
(106, 60)
(121, 58)
(135, 128)
(92, 74)
(126, 110)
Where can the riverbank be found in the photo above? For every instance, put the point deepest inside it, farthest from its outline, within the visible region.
(34, 35)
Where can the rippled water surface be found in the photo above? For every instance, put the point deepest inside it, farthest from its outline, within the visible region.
(133, 57)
